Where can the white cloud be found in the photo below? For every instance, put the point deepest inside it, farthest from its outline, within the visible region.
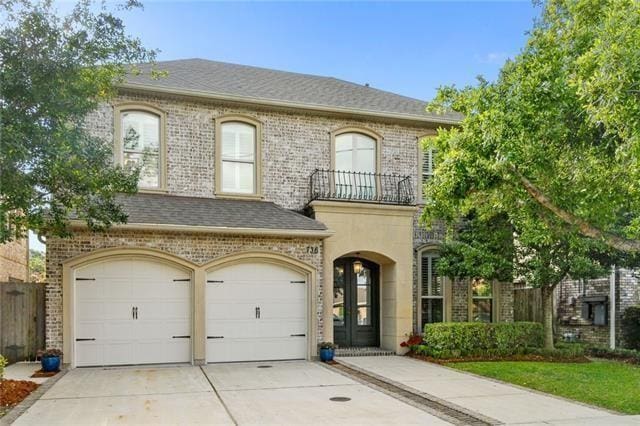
(493, 58)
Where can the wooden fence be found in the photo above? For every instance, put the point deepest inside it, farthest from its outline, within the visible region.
(527, 304)
(21, 320)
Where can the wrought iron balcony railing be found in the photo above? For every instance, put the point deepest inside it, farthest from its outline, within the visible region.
(361, 186)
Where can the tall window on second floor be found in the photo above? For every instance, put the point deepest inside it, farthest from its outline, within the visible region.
(140, 142)
(355, 152)
(355, 163)
(238, 156)
(428, 164)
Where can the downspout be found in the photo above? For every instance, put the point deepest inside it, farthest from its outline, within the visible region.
(612, 308)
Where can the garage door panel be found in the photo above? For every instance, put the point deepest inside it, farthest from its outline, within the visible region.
(231, 313)
(89, 353)
(163, 329)
(161, 310)
(283, 348)
(118, 352)
(256, 272)
(104, 311)
(233, 328)
(283, 310)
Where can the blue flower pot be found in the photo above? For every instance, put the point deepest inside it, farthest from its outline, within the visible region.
(50, 363)
(326, 355)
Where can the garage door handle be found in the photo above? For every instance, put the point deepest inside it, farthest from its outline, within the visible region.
(85, 340)
(215, 337)
(181, 337)
(299, 335)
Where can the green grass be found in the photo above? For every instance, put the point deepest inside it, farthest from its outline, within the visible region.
(607, 384)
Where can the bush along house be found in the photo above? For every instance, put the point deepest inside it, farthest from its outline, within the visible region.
(275, 211)
(592, 311)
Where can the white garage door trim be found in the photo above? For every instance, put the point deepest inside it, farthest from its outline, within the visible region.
(257, 310)
(151, 316)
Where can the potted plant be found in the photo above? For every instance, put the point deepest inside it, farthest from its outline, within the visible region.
(50, 359)
(327, 351)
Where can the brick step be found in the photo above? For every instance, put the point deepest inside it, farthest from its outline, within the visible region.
(363, 351)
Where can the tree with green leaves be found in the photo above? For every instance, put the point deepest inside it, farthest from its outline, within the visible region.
(560, 125)
(37, 268)
(543, 169)
(54, 70)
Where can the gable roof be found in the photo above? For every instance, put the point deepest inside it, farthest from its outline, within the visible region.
(241, 83)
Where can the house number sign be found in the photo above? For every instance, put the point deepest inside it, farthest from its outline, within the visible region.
(313, 249)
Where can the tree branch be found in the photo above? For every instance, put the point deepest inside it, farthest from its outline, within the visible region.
(585, 228)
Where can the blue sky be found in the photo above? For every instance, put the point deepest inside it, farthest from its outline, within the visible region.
(408, 48)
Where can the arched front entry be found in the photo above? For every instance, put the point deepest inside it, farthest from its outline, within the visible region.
(356, 302)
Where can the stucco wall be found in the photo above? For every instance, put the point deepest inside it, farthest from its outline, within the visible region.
(14, 257)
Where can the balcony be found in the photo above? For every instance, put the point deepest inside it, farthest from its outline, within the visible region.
(337, 185)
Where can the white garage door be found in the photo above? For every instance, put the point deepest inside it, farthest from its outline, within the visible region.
(132, 312)
(256, 312)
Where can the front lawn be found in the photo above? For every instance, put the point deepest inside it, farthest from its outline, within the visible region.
(607, 384)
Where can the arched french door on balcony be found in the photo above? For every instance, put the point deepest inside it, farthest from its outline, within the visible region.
(356, 307)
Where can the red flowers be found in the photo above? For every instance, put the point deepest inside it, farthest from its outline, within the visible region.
(413, 340)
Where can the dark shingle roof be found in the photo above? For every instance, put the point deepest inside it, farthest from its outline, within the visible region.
(160, 209)
(200, 76)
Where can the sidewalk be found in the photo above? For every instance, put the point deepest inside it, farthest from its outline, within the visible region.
(505, 403)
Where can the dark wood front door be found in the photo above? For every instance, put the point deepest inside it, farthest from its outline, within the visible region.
(356, 307)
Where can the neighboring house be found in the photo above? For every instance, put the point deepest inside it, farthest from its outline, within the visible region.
(585, 309)
(276, 210)
(14, 261)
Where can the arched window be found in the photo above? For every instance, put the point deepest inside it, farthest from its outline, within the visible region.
(140, 143)
(238, 156)
(355, 160)
(355, 152)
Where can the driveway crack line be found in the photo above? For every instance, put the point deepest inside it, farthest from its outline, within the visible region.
(235, 422)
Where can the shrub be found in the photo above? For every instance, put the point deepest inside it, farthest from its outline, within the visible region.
(3, 364)
(631, 327)
(626, 355)
(453, 340)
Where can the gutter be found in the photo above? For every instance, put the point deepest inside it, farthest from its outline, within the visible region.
(301, 233)
(287, 104)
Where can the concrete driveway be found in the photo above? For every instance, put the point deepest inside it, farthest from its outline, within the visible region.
(160, 395)
(284, 393)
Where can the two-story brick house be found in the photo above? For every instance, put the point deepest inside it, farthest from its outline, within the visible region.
(276, 210)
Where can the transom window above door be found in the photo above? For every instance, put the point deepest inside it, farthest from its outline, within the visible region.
(238, 156)
(140, 143)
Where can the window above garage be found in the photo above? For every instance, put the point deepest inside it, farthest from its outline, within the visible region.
(238, 155)
(140, 143)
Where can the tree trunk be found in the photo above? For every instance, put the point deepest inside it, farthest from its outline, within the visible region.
(585, 228)
(547, 315)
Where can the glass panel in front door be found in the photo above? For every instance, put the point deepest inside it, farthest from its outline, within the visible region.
(338, 296)
(363, 282)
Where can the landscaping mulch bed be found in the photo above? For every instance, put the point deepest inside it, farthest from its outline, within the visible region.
(13, 392)
(41, 373)
(524, 357)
